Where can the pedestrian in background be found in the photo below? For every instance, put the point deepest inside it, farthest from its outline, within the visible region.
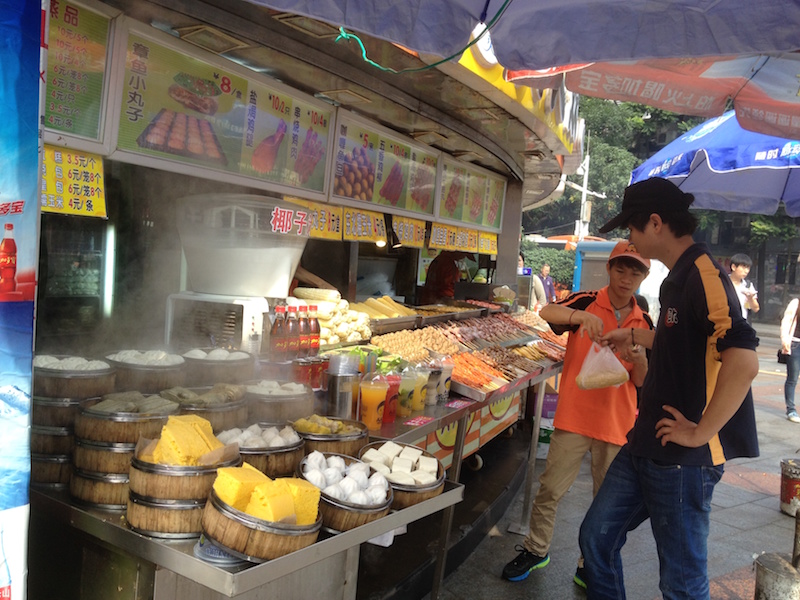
(790, 345)
(538, 297)
(745, 290)
(696, 409)
(547, 282)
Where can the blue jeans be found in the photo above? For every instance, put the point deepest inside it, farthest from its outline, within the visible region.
(792, 371)
(676, 499)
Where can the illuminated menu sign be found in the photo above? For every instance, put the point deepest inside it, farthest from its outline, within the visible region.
(76, 64)
(363, 226)
(72, 183)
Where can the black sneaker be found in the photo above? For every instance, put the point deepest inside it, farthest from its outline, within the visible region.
(580, 577)
(519, 568)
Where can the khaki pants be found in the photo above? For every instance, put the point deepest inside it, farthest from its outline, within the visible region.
(563, 464)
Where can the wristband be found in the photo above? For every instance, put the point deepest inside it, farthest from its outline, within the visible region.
(571, 315)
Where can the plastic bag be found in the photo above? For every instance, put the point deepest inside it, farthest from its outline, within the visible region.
(601, 368)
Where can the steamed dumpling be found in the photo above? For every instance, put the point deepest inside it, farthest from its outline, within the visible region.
(335, 492)
(317, 460)
(359, 467)
(349, 485)
(316, 477)
(217, 354)
(359, 477)
(359, 497)
(337, 462)
(376, 494)
(195, 353)
(378, 480)
(332, 475)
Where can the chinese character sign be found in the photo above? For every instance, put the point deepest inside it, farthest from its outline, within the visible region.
(72, 183)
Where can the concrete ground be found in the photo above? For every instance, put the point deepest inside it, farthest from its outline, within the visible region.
(746, 520)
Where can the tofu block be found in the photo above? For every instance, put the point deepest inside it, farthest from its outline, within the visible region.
(411, 453)
(429, 464)
(373, 455)
(423, 477)
(391, 449)
(402, 464)
(401, 478)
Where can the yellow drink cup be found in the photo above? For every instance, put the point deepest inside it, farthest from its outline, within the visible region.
(373, 398)
(420, 385)
(405, 395)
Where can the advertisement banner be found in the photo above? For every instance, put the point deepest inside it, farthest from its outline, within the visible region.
(23, 58)
(410, 232)
(454, 183)
(175, 106)
(72, 183)
(363, 226)
(324, 220)
(76, 64)
(487, 243)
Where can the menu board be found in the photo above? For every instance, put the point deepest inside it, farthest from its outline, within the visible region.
(443, 237)
(72, 183)
(410, 232)
(183, 108)
(378, 168)
(475, 197)
(363, 225)
(495, 198)
(76, 64)
(391, 173)
(466, 240)
(487, 243)
(454, 184)
(324, 220)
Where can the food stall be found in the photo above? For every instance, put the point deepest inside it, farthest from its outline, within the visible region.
(211, 183)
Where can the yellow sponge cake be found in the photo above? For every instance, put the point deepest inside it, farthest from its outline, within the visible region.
(272, 501)
(234, 485)
(203, 428)
(184, 439)
(306, 500)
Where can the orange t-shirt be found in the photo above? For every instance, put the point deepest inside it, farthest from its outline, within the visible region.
(605, 414)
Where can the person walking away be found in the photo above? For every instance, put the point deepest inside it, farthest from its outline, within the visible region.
(538, 297)
(593, 421)
(745, 290)
(696, 409)
(790, 345)
(547, 283)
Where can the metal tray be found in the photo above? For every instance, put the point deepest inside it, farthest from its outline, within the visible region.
(379, 326)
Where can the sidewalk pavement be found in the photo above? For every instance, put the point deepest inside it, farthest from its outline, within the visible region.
(746, 520)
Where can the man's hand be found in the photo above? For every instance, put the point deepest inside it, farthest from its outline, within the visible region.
(678, 430)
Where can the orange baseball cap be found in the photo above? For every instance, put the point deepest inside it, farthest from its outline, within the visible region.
(626, 249)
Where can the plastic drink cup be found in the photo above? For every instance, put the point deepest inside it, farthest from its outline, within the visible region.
(443, 387)
(431, 387)
(405, 394)
(418, 398)
(373, 400)
(390, 409)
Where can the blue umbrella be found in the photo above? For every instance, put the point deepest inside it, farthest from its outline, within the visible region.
(730, 169)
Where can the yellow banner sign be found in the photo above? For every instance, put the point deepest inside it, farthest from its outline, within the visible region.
(410, 232)
(487, 243)
(363, 225)
(443, 237)
(324, 220)
(72, 183)
(466, 240)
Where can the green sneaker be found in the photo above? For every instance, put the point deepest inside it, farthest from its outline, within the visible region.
(580, 577)
(519, 568)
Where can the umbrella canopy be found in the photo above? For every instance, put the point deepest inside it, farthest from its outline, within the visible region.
(729, 168)
(763, 88)
(536, 34)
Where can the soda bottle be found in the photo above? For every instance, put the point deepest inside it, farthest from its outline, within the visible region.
(277, 336)
(303, 332)
(313, 330)
(5, 572)
(8, 260)
(292, 334)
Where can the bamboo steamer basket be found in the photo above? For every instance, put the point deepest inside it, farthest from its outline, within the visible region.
(65, 383)
(50, 470)
(172, 482)
(275, 462)
(349, 444)
(169, 519)
(340, 515)
(103, 457)
(148, 379)
(226, 415)
(278, 408)
(119, 427)
(202, 371)
(250, 538)
(51, 440)
(106, 491)
(408, 495)
(54, 412)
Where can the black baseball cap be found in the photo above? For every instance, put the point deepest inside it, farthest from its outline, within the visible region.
(654, 195)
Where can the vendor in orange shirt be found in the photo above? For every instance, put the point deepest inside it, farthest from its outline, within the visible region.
(594, 421)
(443, 273)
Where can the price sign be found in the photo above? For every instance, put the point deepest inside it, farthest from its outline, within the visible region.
(487, 243)
(324, 220)
(410, 232)
(72, 183)
(363, 225)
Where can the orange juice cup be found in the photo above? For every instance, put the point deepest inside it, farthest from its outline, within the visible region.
(373, 399)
